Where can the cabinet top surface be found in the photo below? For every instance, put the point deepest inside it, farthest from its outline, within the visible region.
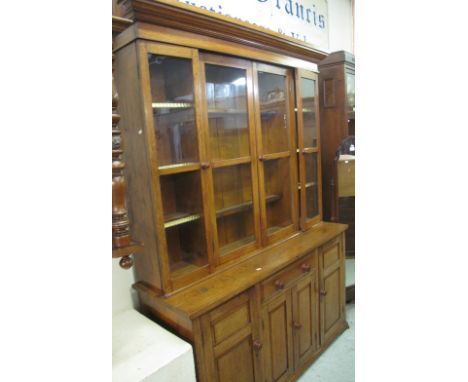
(201, 297)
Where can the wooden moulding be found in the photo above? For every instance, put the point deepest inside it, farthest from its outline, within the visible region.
(187, 18)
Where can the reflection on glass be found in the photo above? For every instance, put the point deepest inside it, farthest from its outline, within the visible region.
(308, 112)
(234, 207)
(173, 110)
(350, 91)
(278, 194)
(311, 185)
(183, 222)
(273, 111)
(226, 96)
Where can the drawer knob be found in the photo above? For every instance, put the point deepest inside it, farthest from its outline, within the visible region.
(305, 267)
(323, 292)
(279, 284)
(257, 345)
(296, 325)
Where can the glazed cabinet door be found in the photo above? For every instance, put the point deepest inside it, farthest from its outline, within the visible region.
(232, 167)
(278, 338)
(332, 288)
(173, 108)
(308, 134)
(276, 151)
(232, 346)
(305, 303)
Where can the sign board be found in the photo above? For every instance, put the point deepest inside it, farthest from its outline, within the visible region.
(306, 20)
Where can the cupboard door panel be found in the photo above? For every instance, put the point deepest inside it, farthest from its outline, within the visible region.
(278, 357)
(229, 129)
(332, 289)
(277, 151)
(308, 148)
(232, 347)
(306, 318)
(236, 364)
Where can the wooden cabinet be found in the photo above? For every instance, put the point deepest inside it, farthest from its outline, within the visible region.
(223, 161)
(337, 121)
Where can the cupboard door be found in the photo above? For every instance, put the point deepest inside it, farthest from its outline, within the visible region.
(174, 135)
(308, 134)
(278, 338)
(276, 149)
(332, 289)
(232, 350)
(229, 127)
(305, 317)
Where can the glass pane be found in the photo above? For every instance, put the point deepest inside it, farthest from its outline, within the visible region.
(183, 221)
(226, 95)
(311, 167)
(278, 194)
(308, 112)
(173, 109)
(311, 185)
(273, 111)
(234, 207)
(350, 91)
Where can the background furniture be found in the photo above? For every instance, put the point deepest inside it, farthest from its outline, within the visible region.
(337, 120)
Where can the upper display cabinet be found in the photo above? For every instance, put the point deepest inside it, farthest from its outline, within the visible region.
(224, 157)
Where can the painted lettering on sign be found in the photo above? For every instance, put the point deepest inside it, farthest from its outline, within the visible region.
(306, 20)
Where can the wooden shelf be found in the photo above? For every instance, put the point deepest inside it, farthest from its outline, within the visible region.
(267, 114)
(236, 244)
(222, 112)
(131, 249)
(241, 207)
(172, 105)
(177, 168)
(179, 218)
(182, 268)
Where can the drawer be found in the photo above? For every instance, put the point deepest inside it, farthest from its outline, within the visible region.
(288, 276)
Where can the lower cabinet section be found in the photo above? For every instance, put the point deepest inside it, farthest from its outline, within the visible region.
(275, 329)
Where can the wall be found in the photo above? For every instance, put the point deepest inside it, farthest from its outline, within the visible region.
(340, 15)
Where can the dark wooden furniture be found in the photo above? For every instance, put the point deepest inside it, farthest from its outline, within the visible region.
(337, 120)
(222, 153)
(122, 244)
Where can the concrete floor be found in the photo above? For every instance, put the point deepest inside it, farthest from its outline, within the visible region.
(337, 363)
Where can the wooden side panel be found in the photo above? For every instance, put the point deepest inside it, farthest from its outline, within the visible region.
(138, 165)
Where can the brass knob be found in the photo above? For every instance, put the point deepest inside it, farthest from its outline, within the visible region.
(279, 284)
(205, 165)
(323, 292)
(257, 345)
(305, 267)
(296, 325)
